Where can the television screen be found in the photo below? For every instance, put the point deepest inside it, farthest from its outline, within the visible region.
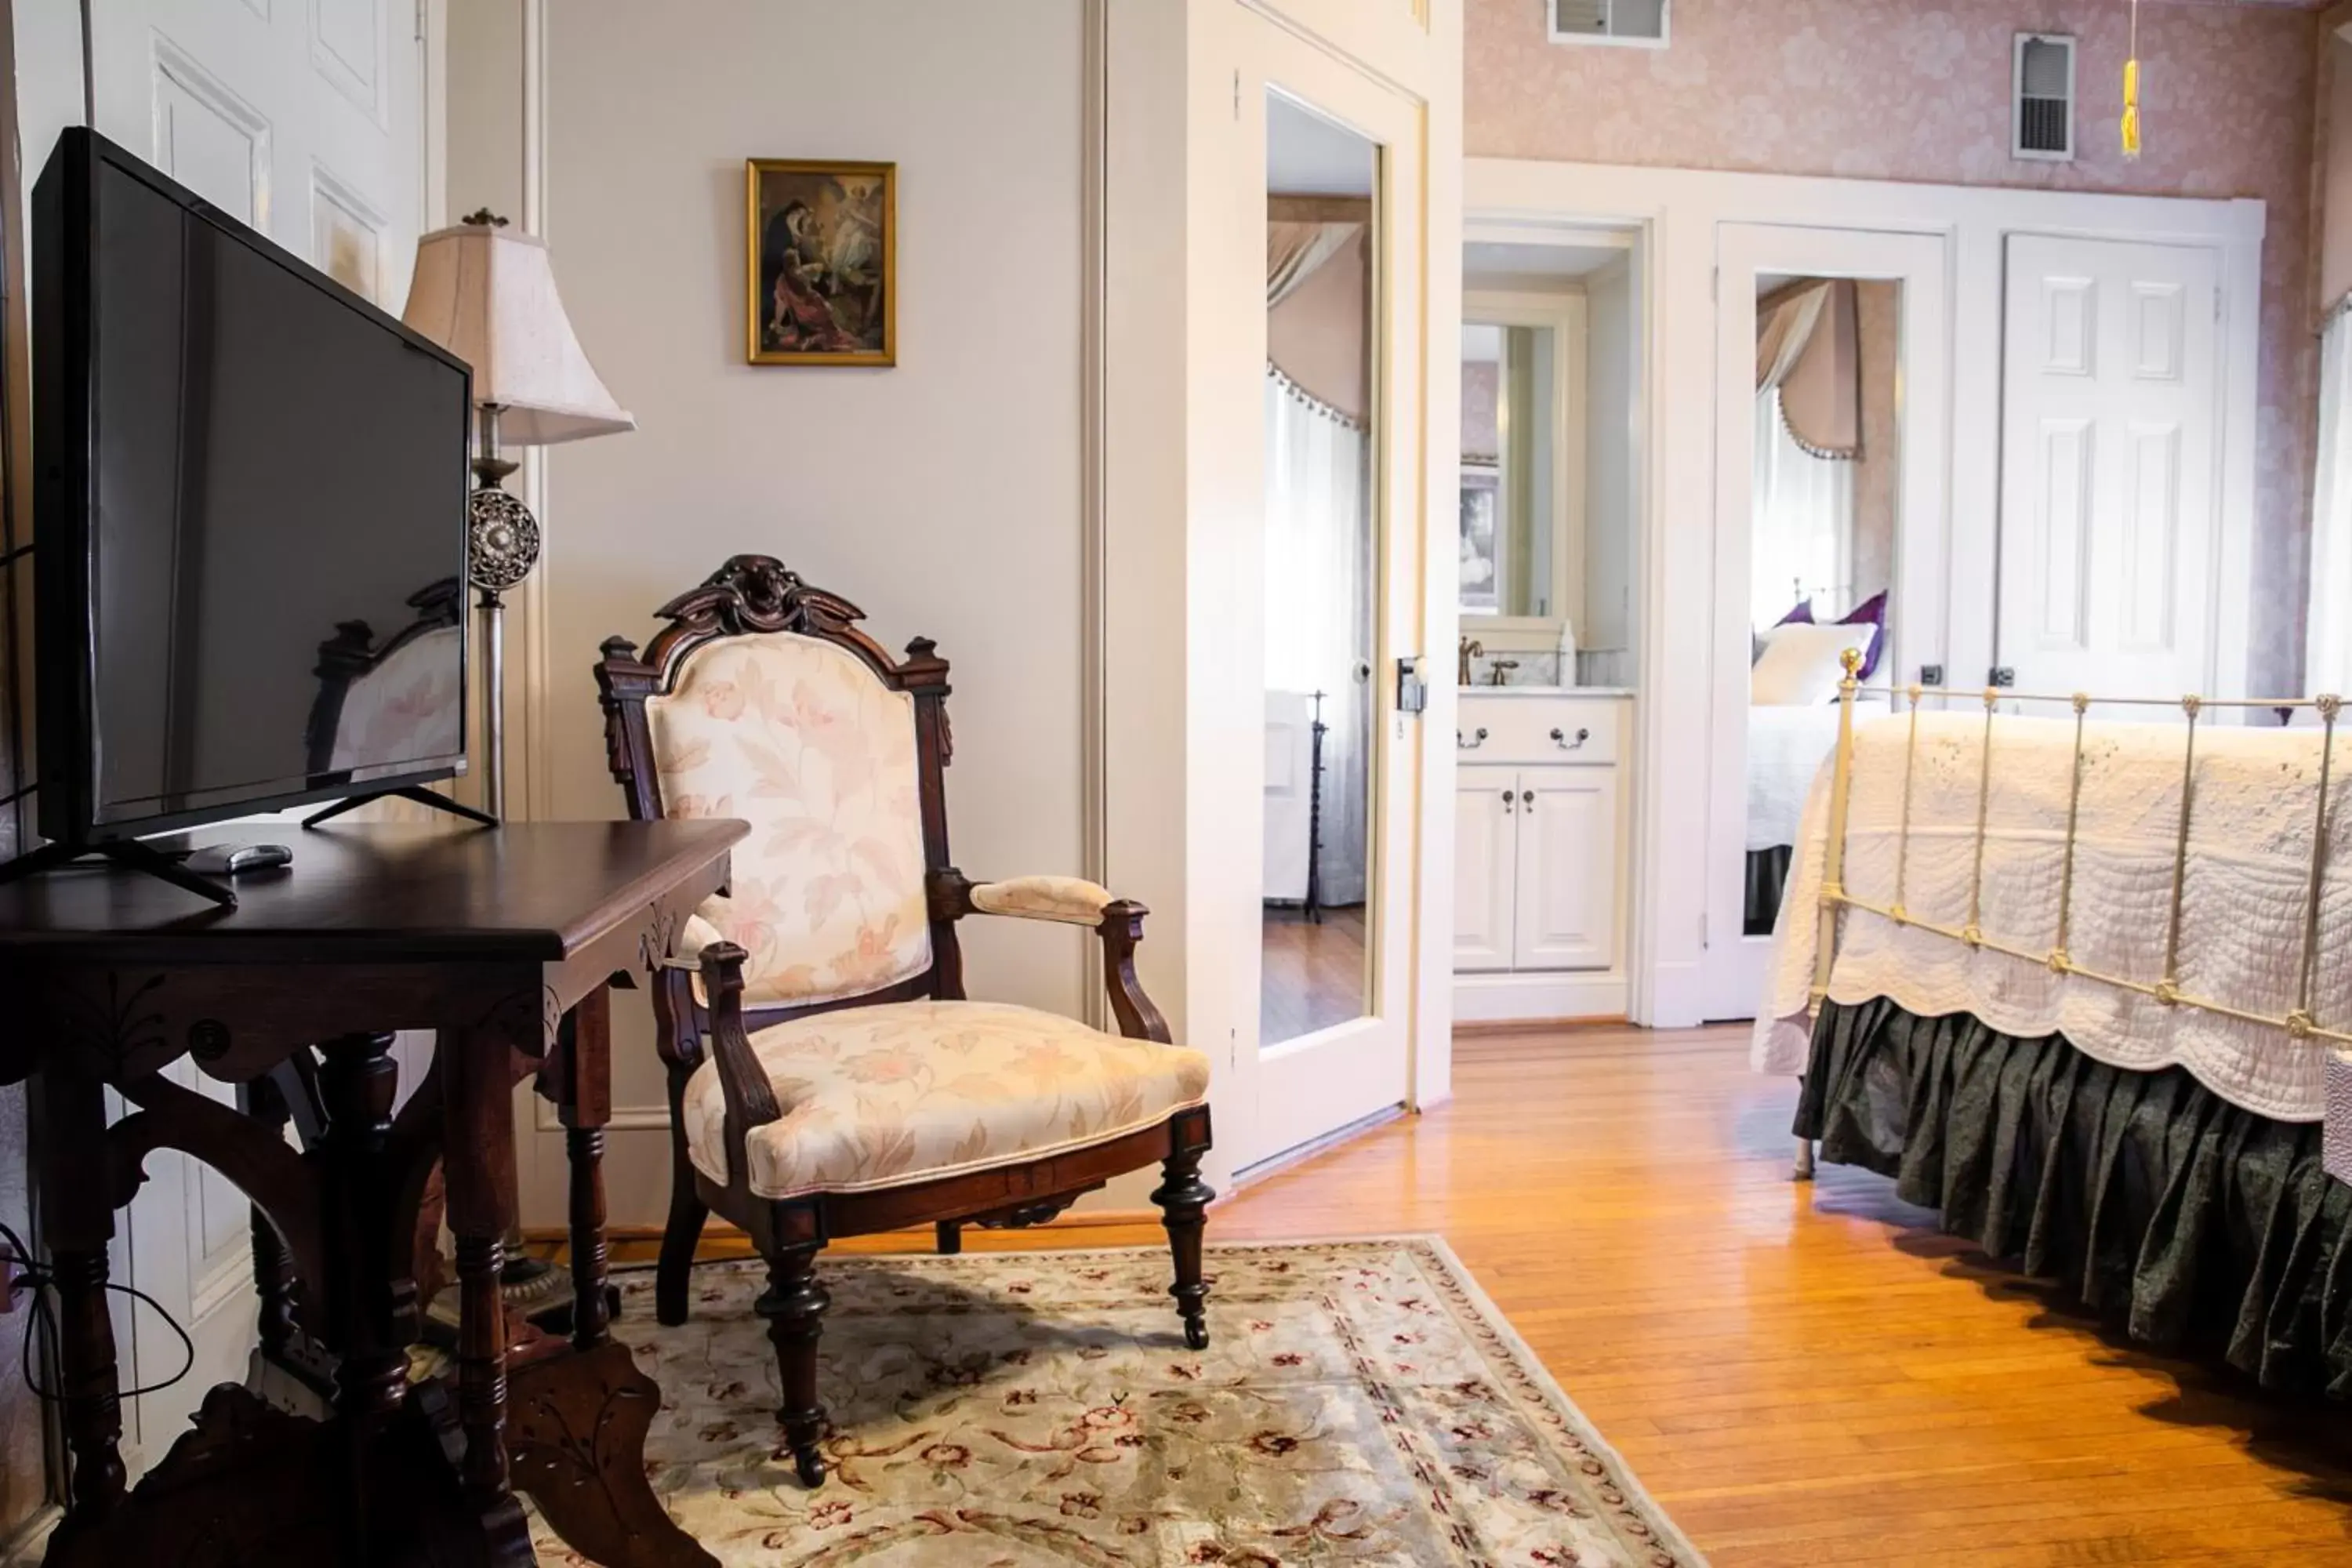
(252, 555)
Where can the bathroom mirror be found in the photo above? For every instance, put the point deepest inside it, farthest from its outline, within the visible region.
(1550, 390)
(1519, 516)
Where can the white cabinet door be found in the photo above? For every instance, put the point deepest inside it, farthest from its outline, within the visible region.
(1567, 868)
(2112, 400)
(1485, 811)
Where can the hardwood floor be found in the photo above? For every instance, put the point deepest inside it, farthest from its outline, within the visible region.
(1802, 1376)
(1314, 972)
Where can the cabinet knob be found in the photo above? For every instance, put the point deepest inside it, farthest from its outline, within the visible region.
(1565, 744)
(1506, 797)
(1527, 799)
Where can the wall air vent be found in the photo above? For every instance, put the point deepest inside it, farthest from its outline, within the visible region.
(1642, 22)
(2041, 98)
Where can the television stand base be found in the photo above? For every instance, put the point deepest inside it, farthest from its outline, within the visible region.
(417, 792)
(127, 852)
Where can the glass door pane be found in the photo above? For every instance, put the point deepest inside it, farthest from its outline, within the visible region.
(1822, 558)
(1322, 574)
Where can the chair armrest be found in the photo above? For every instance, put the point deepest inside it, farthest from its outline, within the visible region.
(1139, 1017)
(1067, 900)
(743, 1083)
(1072, 900)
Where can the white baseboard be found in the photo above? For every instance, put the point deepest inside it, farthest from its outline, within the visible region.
(1510, 998)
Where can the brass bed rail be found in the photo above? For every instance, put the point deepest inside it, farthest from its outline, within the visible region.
(2298, 1024)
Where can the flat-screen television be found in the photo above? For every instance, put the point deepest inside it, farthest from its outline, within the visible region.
(250, 539)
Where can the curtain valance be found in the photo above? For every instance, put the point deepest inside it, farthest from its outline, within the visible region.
(1809, 346)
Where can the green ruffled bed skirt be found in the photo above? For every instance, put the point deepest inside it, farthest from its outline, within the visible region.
(2202, 1226)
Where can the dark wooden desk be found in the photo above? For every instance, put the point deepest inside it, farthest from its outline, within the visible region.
(503, 941)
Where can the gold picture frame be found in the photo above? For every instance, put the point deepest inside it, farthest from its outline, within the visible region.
(820, 262)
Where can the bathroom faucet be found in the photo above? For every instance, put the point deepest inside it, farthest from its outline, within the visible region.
(1470, 650)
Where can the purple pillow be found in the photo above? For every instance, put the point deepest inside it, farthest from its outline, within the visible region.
(1802, 616)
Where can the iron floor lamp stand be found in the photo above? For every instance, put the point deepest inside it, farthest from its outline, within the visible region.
(502, 546)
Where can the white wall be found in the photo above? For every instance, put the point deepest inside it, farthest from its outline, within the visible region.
(942, 495)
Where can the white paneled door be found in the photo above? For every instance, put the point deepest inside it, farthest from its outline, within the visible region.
(304, 119)
(2111, 404)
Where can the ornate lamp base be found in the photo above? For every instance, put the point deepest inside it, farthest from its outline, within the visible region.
(502, 542)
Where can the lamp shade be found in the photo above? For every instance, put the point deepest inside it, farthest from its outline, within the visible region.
(489, 296)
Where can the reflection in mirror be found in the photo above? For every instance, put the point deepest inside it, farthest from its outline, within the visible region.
(1551, 374)
(1823, 542)
(1512, 489)
(1321, 572)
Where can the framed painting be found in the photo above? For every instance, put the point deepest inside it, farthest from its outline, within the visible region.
(821, 262)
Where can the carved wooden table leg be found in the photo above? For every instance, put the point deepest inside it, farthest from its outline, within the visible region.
(359, 1078)
(75, 1209)
(478, 1167)
(274, 1281)
(580, 1420)
(587, 1107)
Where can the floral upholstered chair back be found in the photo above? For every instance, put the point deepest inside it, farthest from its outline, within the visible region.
(763, 703)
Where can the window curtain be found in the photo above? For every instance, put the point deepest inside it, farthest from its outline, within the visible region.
(1294, 249)
(1318, 605)
(2327, 651)
(1804, 522)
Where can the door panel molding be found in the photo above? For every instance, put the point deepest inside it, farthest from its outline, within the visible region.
(180, 83)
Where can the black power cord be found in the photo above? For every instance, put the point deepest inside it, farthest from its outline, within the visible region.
(44, 1322)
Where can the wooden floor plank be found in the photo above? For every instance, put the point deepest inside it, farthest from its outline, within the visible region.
(1803, 1376)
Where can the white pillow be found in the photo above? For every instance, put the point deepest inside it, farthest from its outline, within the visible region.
(1799, 668)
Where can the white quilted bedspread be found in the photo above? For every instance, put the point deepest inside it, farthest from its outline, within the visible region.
(2251, 829)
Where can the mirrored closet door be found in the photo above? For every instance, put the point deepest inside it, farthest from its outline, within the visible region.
(1333, 161)
(1829, 539)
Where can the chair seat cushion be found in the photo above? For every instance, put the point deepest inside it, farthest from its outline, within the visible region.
(910, 1091)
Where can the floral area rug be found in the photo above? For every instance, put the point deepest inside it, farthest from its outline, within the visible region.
(1360, 1402)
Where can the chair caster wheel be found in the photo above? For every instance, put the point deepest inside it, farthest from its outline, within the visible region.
(809, 1465)
(1196, 1336)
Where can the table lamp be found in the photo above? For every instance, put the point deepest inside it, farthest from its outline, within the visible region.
(487, 295)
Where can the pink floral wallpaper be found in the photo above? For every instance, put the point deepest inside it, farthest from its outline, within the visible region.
(1909, 89)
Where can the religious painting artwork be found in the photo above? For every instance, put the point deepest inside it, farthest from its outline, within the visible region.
(821, 264)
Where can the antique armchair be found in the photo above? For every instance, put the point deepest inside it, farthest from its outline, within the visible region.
(827, 1075)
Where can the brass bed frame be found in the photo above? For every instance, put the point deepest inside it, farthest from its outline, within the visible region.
(2297, 1024)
